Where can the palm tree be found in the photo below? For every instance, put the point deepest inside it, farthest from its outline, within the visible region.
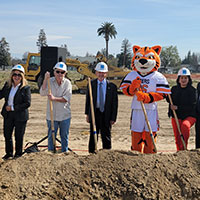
(108, 30)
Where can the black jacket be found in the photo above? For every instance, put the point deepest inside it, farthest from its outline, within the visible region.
(185, 99)
(111, 101)
(22, 100)
(198, 99)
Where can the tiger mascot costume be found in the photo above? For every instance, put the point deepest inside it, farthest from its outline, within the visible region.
(148, 85)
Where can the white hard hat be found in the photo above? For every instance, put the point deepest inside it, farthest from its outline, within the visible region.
(101, 67)
(60, 65)
(184, 72)
(18, 67)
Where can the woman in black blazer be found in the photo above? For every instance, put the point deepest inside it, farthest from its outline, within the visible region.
(17, 97)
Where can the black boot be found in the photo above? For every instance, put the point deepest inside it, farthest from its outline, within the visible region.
(7, 156)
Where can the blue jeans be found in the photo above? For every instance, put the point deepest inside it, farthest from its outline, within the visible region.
(64, 133)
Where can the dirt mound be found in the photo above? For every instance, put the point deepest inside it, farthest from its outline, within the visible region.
(106, 175)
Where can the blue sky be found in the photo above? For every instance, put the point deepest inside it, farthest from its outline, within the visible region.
(75, 23)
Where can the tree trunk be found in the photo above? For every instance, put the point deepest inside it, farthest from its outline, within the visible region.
(107, 49)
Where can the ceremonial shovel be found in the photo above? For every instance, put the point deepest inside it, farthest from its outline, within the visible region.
(92, 114)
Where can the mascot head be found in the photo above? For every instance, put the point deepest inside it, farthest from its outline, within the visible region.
(146, 59)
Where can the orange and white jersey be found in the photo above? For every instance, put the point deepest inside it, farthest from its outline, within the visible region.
(153, 82)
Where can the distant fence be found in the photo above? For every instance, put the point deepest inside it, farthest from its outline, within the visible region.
(4, 68)
(174, 76)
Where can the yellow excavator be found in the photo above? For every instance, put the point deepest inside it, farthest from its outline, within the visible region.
(33, 70)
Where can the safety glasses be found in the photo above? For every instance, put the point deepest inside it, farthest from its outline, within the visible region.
(19, 75)
(60, 72)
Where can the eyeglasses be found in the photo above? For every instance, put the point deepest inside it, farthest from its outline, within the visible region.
(59, 72)
(19, 75)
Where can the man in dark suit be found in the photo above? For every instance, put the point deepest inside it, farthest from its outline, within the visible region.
(105, 101)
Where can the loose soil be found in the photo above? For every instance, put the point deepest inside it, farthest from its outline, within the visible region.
(116, 174)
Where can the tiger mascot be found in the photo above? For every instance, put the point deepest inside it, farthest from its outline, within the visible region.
(148, 85)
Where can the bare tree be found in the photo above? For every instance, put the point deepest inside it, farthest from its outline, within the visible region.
(42, 40)
(170, 57)
(4, 53)
(126, 51)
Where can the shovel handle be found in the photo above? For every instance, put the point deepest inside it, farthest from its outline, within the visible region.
(51, 115)
(92, 114)
(177, 123)
(149, 126)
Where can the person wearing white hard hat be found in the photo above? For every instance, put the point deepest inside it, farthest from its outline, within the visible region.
(105, 101)
(184, 103)
(61, 92)
(197, 124)
(17, 97)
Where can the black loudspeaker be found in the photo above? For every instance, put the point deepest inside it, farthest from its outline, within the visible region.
(50, 56)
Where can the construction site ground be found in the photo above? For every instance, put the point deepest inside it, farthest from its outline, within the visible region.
(116, 174)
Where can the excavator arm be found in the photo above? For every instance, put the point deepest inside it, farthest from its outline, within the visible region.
(80, 67)
(33, 69)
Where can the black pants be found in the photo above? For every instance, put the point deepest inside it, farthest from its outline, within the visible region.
(103, 128)
(10, 124)
(197, 129)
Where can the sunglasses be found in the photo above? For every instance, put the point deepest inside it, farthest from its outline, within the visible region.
(19, 75)
(59, 72)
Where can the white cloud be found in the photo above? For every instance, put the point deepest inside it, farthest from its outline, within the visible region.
(57, 37)
(50, 37)
(160, 1)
